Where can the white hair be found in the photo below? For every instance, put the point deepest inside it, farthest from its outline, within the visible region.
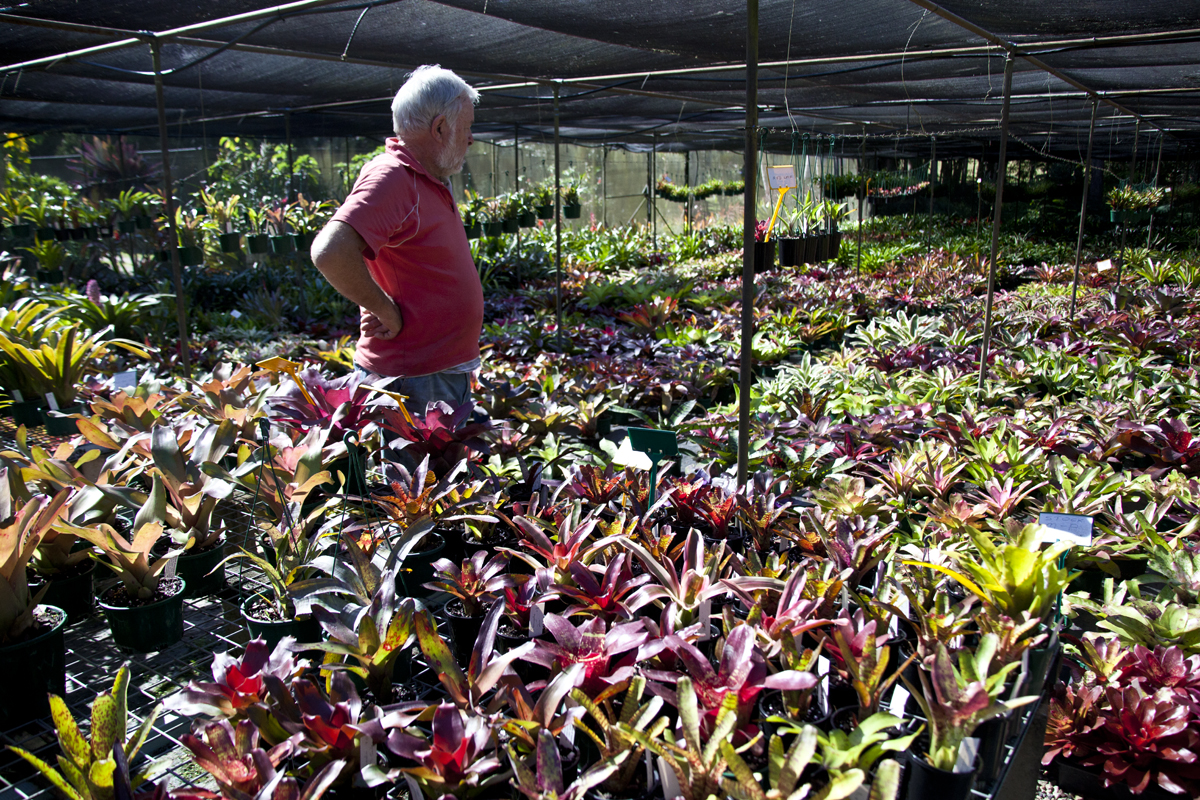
(428, 92)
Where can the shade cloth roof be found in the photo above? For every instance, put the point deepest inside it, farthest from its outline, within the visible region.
(628, 70)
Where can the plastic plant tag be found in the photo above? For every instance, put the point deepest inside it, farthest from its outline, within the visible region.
(1104, 266)
(654, 442)
(899, 701)
(1073, 528)
(235, 314)
(169, 572)
(17, 396)
(706, 620)
(52, 401)
(823, 693)
(125, 380)
(902, 604)
(536, 616)
(649, 770)
(966, 754)
(669, 783)
(782, 177)
(861, 793)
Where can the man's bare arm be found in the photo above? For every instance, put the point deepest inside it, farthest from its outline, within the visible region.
(337, 253)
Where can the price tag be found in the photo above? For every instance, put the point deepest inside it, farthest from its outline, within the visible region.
(535, 621)
(1073, 528)
(125, 380)
(781, 177)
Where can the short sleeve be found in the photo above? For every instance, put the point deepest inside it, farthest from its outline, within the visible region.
(380, 204)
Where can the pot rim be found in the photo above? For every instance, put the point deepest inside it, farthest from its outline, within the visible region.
(108, 607)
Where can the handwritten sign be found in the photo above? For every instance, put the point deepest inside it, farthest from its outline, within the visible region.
(781, 177)
(1073, 528)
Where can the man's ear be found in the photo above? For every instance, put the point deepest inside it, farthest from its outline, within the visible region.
(440, 128)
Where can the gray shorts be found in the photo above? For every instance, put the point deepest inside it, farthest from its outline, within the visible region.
(452, 388)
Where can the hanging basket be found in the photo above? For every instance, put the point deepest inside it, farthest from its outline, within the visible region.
(230, 242)
(258, 244)
(764, 256)
(472, 231)
(572, 211)
(545, 212)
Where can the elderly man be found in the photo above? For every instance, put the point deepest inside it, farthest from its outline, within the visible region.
(397, 248)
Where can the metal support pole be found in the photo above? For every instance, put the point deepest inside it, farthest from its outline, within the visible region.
(654, 195)
(1001, 169)
(1087, 185)
(749, 219)
(1125, 223)
(1157, 167)
(687, 180)
(861, 194)
(932, 171)
(517, 183)
(557, 228)
(169, 202)
(287, 134)
(604, 186)
(649, 190)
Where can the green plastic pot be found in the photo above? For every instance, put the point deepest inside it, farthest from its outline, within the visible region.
(303, 240)
(527, 219)
(58, 424)
(493, 228)
(258, 243)
(150, 627)
(472, 231)
(282, 245)
(30, 670)
(305, 631)
(230, 242)
(545, 212)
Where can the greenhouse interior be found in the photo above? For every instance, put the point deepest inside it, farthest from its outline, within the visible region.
(762, 400)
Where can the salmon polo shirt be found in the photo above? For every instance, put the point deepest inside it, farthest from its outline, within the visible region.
(417, 251)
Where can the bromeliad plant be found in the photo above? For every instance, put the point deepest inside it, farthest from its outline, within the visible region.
(91, 768)
(21, 531)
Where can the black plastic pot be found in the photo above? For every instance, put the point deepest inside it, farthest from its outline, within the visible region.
(992, 736)
(835, 244)
(282, 245)
(144, 222)
(1076, 779)
(493, 228)
(191, 256)
(32, 668)
(418, 567)
(764, 256)
(303, 241)
(306, 630)
(27, 413)
(545, 212)
(126, 226)
(510, 225)
(1040, 659)
(230, 242)
(527, 219)
(73, 593)
(57, 425)
(927, 782)
(472, 231)
(153, 626)
(788, 255)
(572, 210)
(258, 244)
(465, 630)
(810, 248)
(194, 568)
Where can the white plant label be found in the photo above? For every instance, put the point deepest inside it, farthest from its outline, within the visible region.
(706, 620)
(235, 314)
(52, 401)
(902, 604)
(670, 784)
(782, 177)
(966, 754)
(900, 697)
(125, 380)
(823, 692)
(1073, 528)
(1104, 266)
(649, 771)
(17, 396)
(536, 616)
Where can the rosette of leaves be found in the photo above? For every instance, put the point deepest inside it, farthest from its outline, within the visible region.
(458, 760)
(92, 767)
(1132, 198)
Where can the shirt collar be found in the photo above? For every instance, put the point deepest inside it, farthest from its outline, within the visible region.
(405, 157)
